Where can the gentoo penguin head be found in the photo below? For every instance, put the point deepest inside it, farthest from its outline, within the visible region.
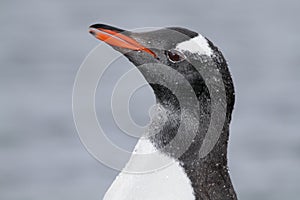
(181, 49)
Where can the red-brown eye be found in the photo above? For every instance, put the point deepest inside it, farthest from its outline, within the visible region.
(175, 56)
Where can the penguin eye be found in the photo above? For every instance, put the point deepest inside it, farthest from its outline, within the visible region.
(175, 56)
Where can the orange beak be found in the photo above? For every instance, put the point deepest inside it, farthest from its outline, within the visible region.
(114, 37)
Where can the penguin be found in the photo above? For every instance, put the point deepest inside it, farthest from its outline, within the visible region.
(187, 74)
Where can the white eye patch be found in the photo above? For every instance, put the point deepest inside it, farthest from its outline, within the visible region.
(197, 45)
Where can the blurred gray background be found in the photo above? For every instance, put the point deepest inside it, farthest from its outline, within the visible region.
(44, 42)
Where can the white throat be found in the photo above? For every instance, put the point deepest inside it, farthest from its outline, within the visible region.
(169, 183)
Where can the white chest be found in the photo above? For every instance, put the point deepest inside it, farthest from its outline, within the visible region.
(169, 183)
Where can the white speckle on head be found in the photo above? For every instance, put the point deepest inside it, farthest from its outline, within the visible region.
(197, 45)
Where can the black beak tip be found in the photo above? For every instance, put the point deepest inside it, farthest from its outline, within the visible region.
(91, 31)
(106, 27)
(96, 26)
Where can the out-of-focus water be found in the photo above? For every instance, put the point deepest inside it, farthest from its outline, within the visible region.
(44, 42)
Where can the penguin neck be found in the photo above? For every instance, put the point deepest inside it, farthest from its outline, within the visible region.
(209, 175)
